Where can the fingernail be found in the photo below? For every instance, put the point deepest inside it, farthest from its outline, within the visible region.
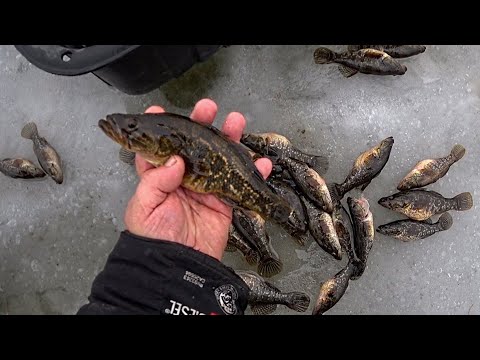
(170, 162)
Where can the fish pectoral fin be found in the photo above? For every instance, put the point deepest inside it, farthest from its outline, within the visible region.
(196, 165)
(364, 186)
(347, 71)
(263, 309)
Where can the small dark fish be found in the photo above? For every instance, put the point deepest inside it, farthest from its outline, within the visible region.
(214, 163)
(409, 230)
(310, 183)
(364, 232)
(427, 172)
(367, 166)
(423, 204)
(20, 169)
(297, 225)
(333, 289)
(344, 228)
(264, 296)
(395, 51)
(322, 229)
(366, 61)
(252, 226)
(279, 147)
(237, 241)
(47, 156)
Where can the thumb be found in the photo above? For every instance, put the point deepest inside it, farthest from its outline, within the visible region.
(157, 183)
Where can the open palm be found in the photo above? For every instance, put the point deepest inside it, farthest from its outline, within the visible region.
(162, 209)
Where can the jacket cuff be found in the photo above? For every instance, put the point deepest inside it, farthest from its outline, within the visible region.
(148, 276)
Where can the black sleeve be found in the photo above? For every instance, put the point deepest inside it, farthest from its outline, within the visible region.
(145, 276)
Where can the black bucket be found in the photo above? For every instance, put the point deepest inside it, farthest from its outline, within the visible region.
(132, 69)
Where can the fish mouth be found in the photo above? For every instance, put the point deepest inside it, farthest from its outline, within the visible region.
(110, 127)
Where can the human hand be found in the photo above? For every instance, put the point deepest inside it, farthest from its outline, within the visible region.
(162, 209)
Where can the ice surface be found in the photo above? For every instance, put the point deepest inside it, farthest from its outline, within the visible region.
(55, 238)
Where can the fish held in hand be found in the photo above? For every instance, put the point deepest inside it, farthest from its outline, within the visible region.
(422, 204)
(279, 147)
(20, 169)
(264, 296)
(366, 61)
(214, 163)
(367, 166)
(47, 156)
(410, 230)
(428, 171)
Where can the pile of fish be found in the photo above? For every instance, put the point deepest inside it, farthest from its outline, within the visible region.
(419, 205)
(48, 158)
(295, 196)
(369, 59)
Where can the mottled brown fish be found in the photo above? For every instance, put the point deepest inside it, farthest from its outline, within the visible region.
(279, 147)
(367, 166)
(344, 228)
(264, 296)
(322, 229)
(237, 242)
(214, 163)
(333, 289)
(20, 169)
(422, 204)
(395, 51)
(297, 225)
(428, 171)
(310, 183)
(364, 233)
(409, 230)
(47, 156)
(366, 61)
(252, 226)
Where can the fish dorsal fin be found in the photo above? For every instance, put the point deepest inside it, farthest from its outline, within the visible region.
(271, 286)
(347, 71)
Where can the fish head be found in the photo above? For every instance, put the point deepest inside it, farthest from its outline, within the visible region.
(360, 208)
(386, 145)
(54, 169)
(409, 181)
(394, 202)
(139, 134)
(398, 68)
(256, 142)
(388, 230)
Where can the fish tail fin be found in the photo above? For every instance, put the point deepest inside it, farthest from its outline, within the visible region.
(445, 221)
(263, 309)
(458, 152)
(320, 164)
(323, 56)
(298, 301)
(463, 201)
(126, 156)
(269, 266)
(251, 257)
(29, 130)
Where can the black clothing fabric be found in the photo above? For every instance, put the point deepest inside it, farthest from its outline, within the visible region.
(145, 276)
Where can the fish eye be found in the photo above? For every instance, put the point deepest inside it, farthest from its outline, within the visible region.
(132, 123)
